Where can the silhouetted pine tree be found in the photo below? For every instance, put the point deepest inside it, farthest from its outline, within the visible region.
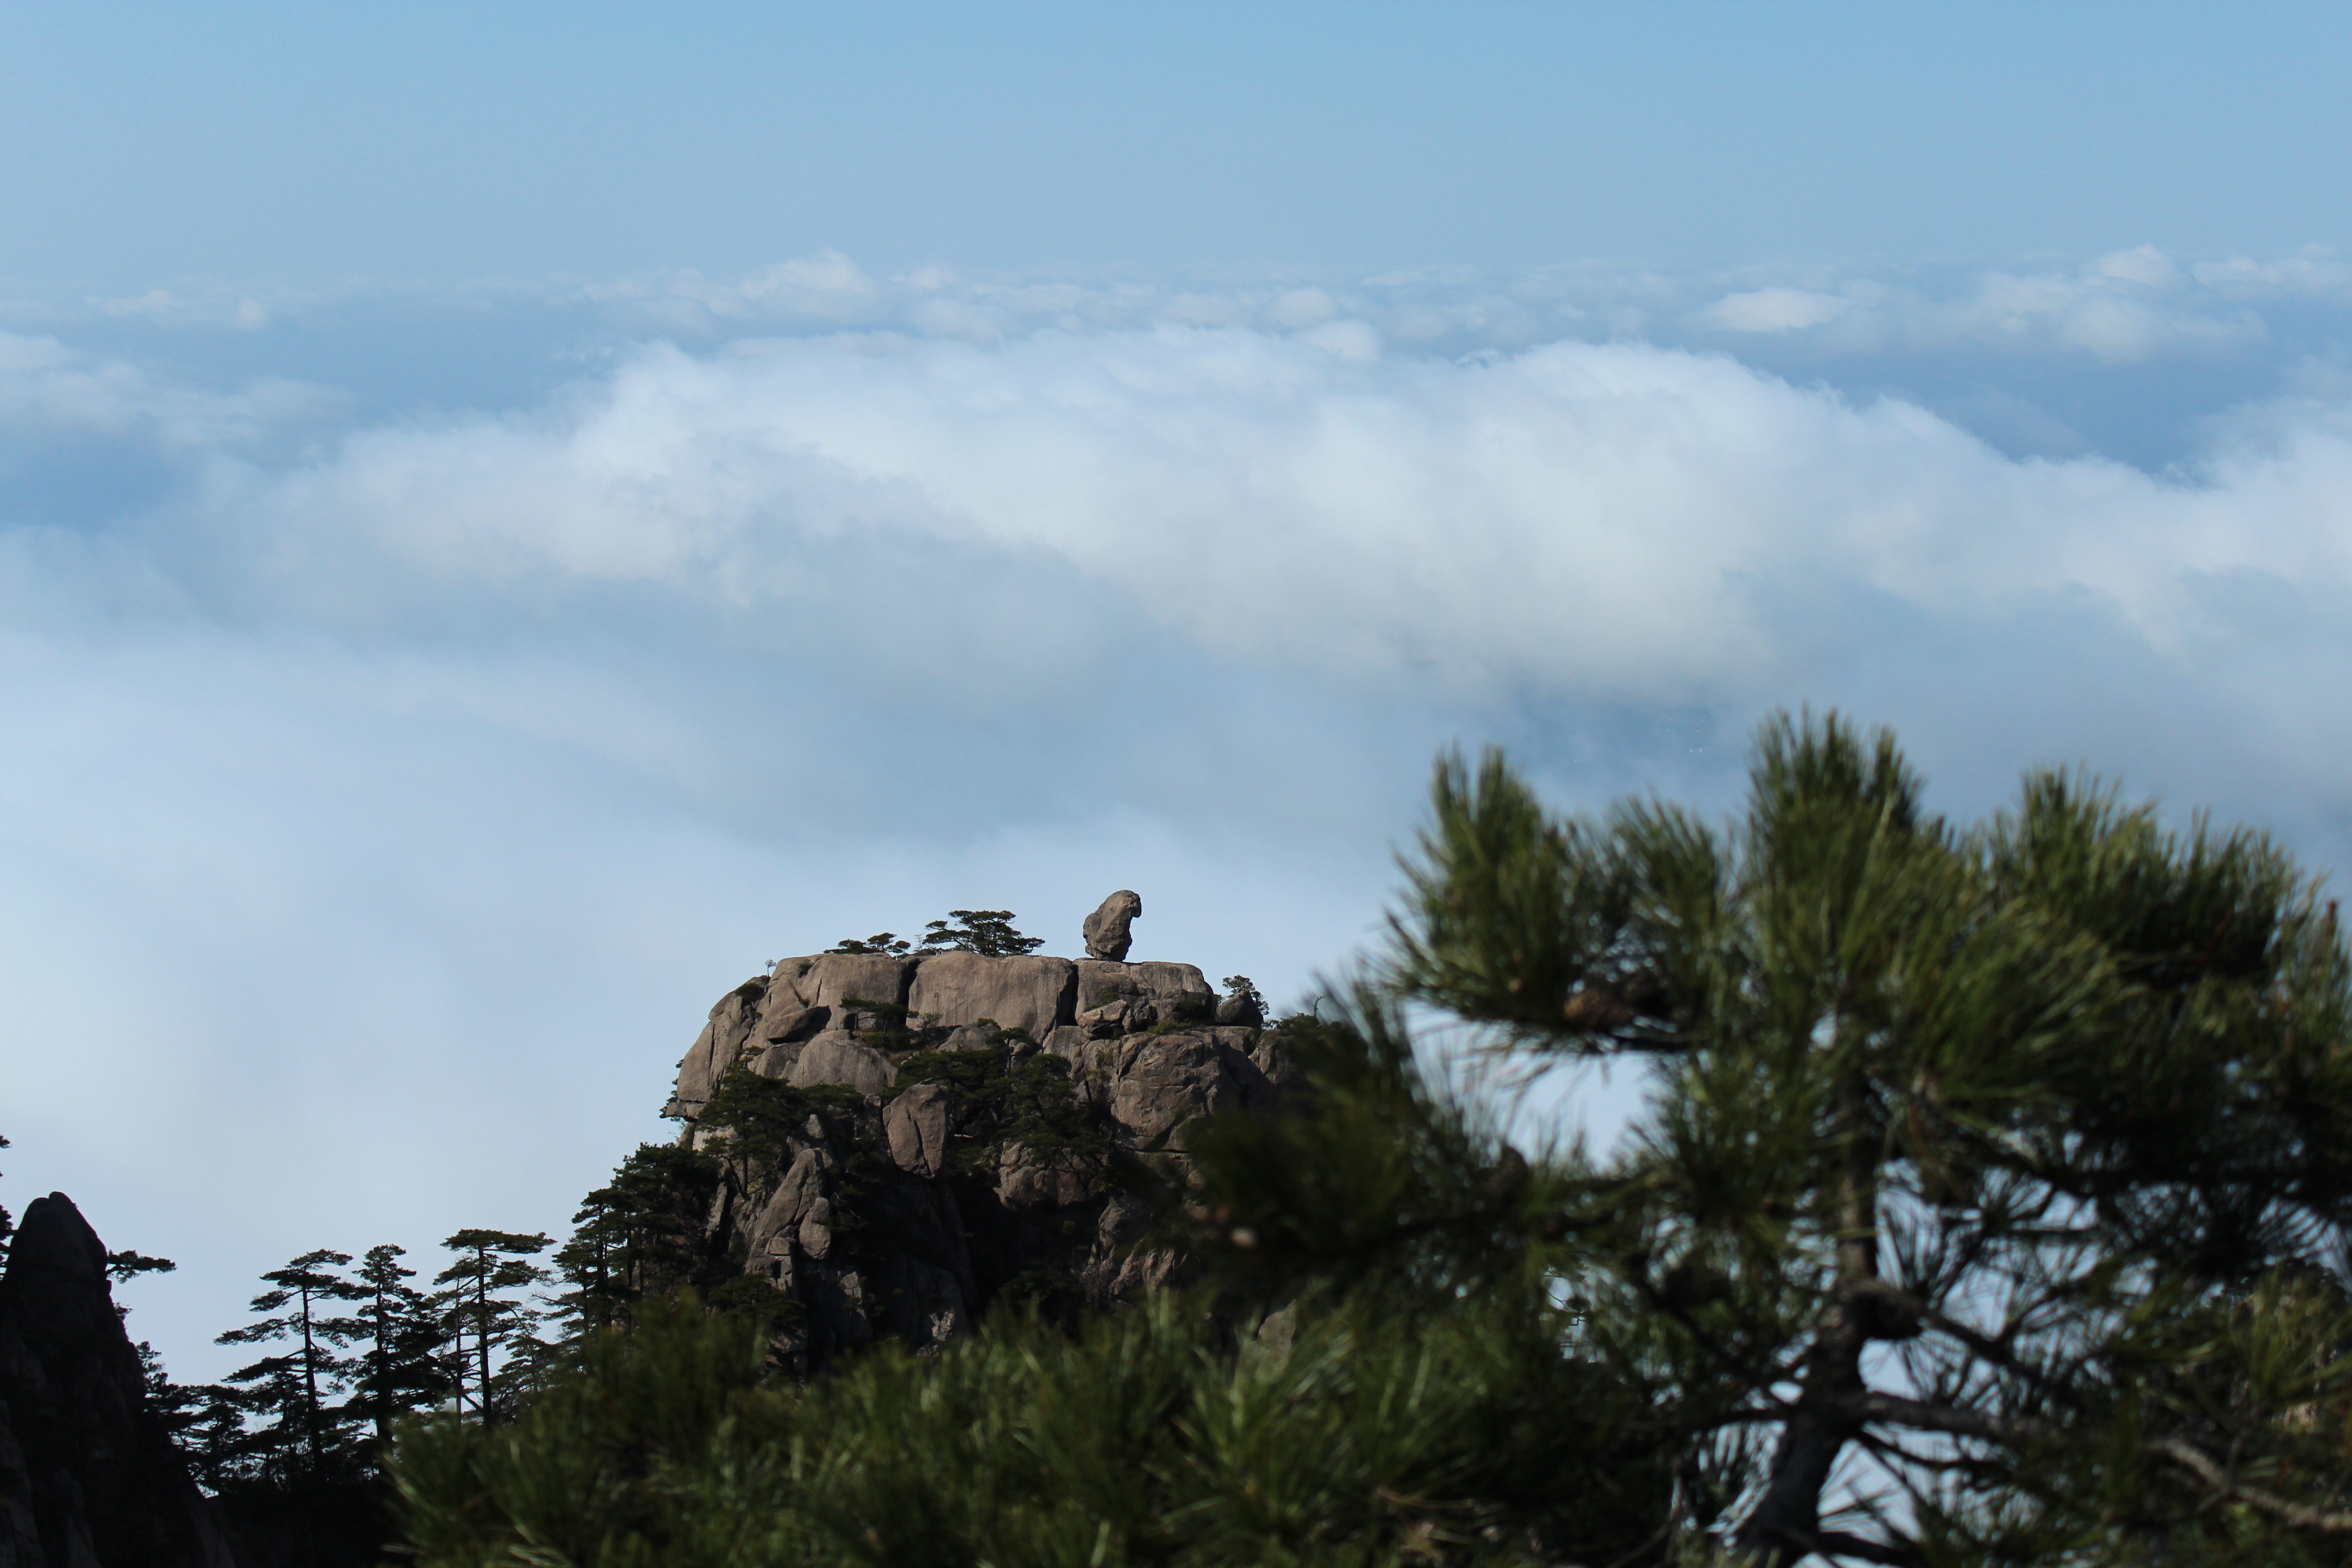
(490, 1323)
(407, 1361)
(205, 1421)
(302, 1433)
(640, 1235)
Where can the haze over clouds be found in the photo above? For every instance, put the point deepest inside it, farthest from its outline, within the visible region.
(480, 575)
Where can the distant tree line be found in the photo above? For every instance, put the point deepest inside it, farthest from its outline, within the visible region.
(295, 1444)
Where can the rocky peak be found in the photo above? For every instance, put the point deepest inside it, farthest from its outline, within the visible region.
(89, 1478)
(973, 1121)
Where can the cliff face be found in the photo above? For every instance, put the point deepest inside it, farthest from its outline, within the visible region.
(980, 1126)
(88, 1479)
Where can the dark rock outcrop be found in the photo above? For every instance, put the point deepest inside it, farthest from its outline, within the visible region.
(89, 1478)
(1005, 1123)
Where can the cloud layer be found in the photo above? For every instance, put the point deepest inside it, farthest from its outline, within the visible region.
(1595, 520)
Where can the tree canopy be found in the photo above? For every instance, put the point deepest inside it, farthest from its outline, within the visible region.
(1994, 1183)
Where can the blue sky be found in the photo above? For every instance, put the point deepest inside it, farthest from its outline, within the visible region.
(508, 521)
(147, 142)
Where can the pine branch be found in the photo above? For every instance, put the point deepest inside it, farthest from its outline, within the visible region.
(2227, 1487)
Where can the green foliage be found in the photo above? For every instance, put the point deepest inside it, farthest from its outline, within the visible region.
(1001, 1096)
(1988, 1207)
(754, 1300)
(1181, 1013)
(881, 945)
(1973, 1153)
(988, 932)
(885, 1026)
(640, 1235)
(1346, 1436)
(1372, 1179)
(755, 1119)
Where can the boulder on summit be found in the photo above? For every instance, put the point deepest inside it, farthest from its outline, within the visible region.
(1105, 929)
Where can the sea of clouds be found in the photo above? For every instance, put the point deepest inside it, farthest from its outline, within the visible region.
(420, 703)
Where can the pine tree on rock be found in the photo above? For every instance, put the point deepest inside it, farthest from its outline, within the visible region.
(881, 945)
(985, 932)
(478, 1299)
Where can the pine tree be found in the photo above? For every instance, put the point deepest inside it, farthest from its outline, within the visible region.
(640, 1235)
(302, 1431)
(407, 1364)
(1991, 1202)
(129, 1265)
(204, 1420)
(478, 1300)
(988, 932)
(881, 945)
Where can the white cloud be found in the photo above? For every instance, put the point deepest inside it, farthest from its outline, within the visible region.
(1602, 519)
(1298, 308)
(2144, 265)
(2132, 307)
(45, 385)
(2111, 311)
(1356, 341)
(1775, 310)
(827, 285)
(2314, 273)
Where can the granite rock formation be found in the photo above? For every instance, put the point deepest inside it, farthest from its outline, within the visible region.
(1107, 931)
(977, 1127)
(89, 1478)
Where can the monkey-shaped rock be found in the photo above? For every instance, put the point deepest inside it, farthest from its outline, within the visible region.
(1106, 929)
